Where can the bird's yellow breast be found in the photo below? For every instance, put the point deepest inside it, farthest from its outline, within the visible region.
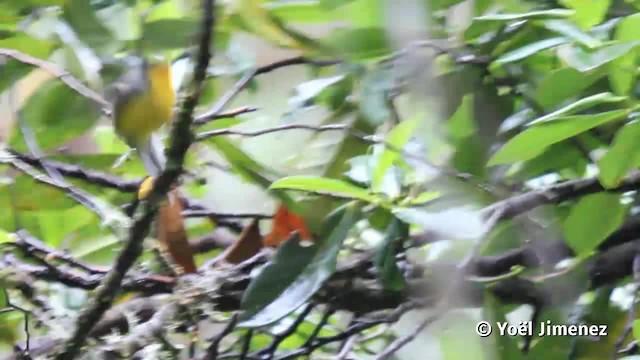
(150, 110)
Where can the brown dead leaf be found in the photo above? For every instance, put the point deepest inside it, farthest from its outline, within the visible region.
(247, 245)
(172, 234)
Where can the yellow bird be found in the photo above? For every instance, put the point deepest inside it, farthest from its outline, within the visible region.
(143, 100)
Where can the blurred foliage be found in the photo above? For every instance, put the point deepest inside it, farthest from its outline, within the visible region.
(534, 90)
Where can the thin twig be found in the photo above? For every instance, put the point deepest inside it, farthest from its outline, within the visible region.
(59, 73)
(80, 173)
(227, 114)
(212, 351)
(215, 110)
(246, 344)
(207, 134)
(269, 351)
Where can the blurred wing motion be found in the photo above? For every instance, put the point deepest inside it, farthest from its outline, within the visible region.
(284, 224)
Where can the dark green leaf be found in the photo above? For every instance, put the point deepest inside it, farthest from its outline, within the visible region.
(535, 140)
(390, 276)
(295, 274)
(588, 225)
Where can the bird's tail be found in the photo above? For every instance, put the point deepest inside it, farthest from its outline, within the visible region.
(152, 155)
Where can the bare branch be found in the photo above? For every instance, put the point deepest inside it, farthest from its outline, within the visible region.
(59, 73)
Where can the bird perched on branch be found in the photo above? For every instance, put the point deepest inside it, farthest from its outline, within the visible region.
(143, 99)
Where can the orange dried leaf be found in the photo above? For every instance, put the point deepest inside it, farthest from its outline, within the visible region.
(284, 224)
(172, 235)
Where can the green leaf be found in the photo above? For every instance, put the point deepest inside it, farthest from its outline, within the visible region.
(295, 274)
(562, 84)
(397, 138)
(4, 237)
(333, 187)
(367, 13)
(621, 157)
(542, 14)
(569, 30)
(422, 198)
(56, 114)
(584, 60)
(533, 141)
(582, 104)
(303, 12)
(461, 124)
(623, 70)
(587, 13)
(166, 34)
(276, 276)
(385, 261)
(530, 49)
(636, 331)
(588, 225)
(360, 43)
(3, 299)
(88, 27)
(254, 17)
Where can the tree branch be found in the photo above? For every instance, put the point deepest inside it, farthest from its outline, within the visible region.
(181, 139)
